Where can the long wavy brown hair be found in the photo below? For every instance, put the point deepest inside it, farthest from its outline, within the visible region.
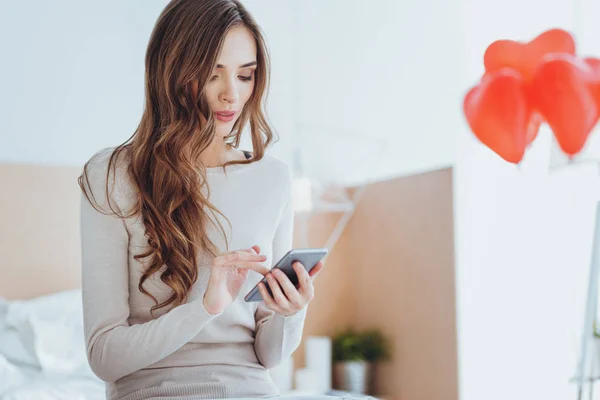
(163, 153)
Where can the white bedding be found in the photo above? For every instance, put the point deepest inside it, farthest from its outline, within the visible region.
(28, 383)
(42, 352)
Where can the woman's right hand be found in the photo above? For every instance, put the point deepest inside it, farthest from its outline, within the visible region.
(228, 274)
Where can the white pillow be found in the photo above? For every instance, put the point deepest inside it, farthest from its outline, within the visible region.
(51, 328)
(11, 376)
(11, 346)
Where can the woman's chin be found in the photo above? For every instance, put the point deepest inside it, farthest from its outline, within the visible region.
(224, 128)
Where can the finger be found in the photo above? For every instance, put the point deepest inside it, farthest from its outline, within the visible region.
(303, 277)
(305, 286)
(256, 248)
(243, 258)
(315, 271)
(238, 255)
(249, 250)
(288, 287)
(278, 295)
(245, 255)
(254, 266)
(269, 301)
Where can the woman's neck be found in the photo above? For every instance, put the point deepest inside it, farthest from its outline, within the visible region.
(219, 153)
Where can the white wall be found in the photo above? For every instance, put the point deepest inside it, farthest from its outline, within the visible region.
(74, 82)
(377, 88)
(72, 74)
(523, 236)
(357, 84)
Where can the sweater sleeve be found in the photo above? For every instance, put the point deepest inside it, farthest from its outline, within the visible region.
(277, 336)
(115, 348)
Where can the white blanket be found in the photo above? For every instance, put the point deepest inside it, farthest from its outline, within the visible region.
(28, 383)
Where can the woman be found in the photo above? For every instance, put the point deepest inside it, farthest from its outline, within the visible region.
(164, 313)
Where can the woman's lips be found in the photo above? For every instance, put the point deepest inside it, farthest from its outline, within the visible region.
(225, 116)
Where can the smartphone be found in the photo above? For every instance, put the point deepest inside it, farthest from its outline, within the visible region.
(308, 257)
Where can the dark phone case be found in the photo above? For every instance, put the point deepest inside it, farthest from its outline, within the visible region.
(308, 257)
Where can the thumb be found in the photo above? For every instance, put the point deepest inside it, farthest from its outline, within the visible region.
(256, 248)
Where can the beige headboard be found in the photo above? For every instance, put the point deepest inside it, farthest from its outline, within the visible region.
(39, 230)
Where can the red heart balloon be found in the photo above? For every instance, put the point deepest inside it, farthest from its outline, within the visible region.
(499, 114)
(594, 64)
(533, 125)
(524, 57)
(562, 91)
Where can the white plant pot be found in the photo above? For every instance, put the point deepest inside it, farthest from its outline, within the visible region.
(353, 376)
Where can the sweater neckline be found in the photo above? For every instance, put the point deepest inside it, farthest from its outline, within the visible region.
(234, 167)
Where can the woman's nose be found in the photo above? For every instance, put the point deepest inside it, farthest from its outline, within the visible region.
(230, 94)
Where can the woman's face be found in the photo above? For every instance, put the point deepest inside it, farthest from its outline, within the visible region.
(232, 79)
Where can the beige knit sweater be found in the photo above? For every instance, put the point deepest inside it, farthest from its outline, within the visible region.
(185, 352)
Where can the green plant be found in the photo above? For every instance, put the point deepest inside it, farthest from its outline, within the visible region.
(370, 345)
(346, 346)
(375, 346)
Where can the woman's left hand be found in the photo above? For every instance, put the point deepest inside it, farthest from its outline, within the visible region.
(287, 300)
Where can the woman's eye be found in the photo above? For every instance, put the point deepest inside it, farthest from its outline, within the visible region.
(245, 78)
(214, 77)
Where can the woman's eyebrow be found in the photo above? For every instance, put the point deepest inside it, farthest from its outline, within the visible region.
(241, 66)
